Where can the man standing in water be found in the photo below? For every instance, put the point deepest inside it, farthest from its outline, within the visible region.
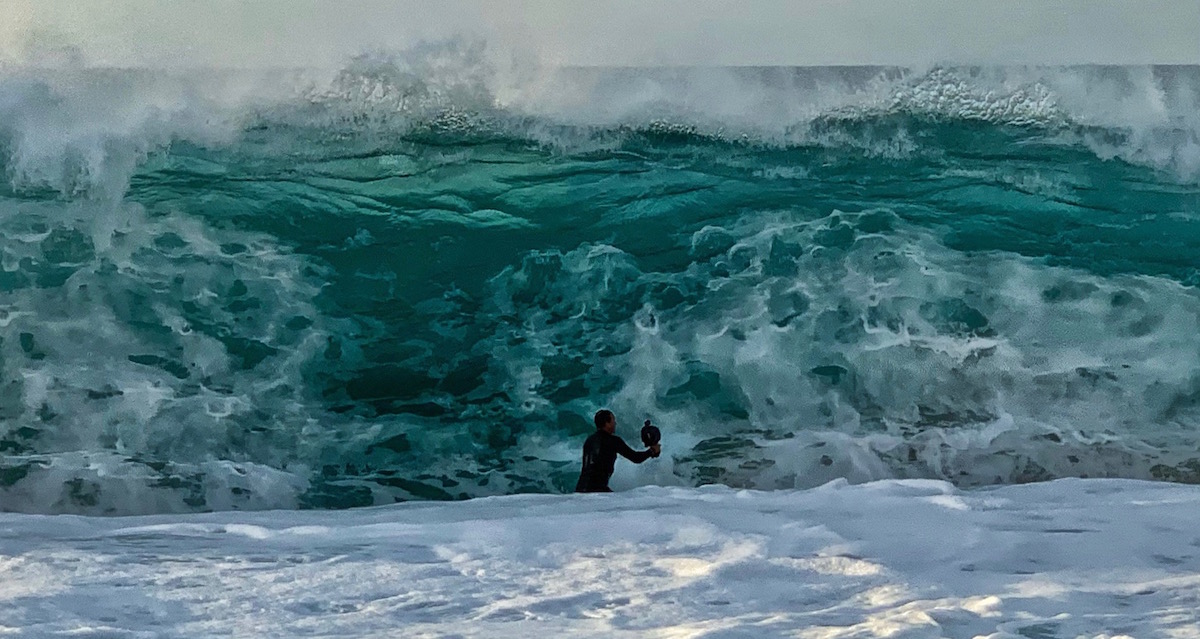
(600, 454)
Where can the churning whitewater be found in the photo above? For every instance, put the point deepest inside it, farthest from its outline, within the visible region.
(417, 278)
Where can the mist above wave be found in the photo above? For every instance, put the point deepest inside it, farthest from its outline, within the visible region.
(77, 129)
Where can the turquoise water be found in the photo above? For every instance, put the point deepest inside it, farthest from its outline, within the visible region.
(399, 286)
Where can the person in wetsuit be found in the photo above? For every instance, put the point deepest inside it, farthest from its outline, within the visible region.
(600, 455)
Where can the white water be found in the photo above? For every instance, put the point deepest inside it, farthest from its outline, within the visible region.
(84, 130)
(899, 559)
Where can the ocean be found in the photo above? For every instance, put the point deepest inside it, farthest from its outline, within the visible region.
(416, 277)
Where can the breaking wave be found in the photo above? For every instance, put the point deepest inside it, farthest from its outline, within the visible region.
(417, 277)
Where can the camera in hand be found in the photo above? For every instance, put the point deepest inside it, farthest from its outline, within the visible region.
(650, 434)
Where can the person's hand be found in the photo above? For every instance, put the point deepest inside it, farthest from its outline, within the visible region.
(655, 450)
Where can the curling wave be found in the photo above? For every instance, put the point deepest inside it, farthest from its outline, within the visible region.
(415, 280)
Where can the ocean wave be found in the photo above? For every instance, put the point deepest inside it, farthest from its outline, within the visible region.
(415, 277)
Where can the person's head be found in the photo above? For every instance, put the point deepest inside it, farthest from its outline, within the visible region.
(606, 421)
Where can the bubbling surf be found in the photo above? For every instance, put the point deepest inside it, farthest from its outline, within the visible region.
(416, 278)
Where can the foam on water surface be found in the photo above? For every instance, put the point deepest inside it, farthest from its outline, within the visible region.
(911, 558)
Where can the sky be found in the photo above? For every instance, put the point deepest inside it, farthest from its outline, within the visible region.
(266, 33)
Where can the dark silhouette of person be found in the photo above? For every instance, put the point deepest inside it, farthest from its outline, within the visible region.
(600, 455)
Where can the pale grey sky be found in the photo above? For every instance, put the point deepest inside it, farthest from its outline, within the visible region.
(614, 32)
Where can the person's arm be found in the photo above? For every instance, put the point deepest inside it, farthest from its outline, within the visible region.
(635, 456)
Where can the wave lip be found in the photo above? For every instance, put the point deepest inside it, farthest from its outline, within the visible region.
(79, 130)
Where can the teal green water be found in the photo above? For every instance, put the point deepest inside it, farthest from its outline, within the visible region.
(309, 314)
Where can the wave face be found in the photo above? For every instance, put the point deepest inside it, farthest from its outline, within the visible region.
(415, 279)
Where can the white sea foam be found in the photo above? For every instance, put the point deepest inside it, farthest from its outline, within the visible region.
(774, 364)
(1070, 558)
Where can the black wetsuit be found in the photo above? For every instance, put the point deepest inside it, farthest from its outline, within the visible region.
(599, 455)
